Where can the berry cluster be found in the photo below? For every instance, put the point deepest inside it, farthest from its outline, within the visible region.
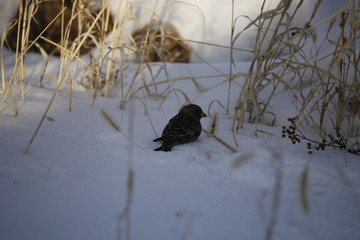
(295, 135)
(290, 131)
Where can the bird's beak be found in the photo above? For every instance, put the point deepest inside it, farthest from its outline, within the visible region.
(203, 115)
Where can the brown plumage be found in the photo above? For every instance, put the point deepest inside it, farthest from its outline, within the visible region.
(185, 127)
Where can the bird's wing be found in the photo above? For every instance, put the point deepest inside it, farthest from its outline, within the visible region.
(181, 129)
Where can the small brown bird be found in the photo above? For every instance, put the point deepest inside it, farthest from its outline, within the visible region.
(185, 127)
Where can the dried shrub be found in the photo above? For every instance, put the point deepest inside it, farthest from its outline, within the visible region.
(320, 74)
(76, 19)
(159, 42)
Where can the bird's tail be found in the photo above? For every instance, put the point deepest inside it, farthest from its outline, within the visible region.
(158, 139)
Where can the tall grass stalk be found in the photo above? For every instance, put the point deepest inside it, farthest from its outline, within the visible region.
(282, 63)
(62, 76)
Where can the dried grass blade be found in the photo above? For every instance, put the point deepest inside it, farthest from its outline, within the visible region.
(233, 150)
(303, 189)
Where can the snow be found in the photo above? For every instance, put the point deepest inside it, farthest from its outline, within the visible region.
(72, 184)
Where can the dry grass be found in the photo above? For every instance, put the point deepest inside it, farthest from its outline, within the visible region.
(321, 77)
(323, 83)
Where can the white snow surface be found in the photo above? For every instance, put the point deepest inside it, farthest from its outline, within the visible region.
(72, 183)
